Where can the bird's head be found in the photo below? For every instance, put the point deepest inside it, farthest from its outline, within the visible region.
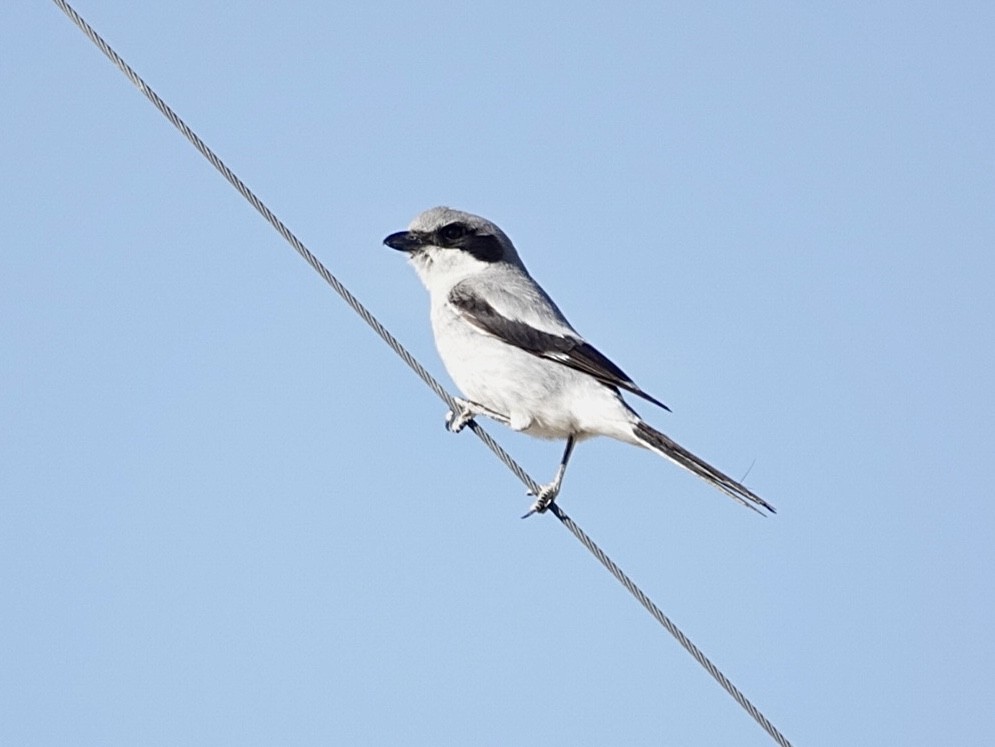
(446, 245)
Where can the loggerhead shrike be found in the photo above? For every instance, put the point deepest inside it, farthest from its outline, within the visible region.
(516, 358)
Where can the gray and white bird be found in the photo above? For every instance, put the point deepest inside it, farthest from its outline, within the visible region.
(515, 357)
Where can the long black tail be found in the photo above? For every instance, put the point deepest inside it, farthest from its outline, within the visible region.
(667, 447)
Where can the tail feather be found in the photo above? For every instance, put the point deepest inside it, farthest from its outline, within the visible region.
(667, 447)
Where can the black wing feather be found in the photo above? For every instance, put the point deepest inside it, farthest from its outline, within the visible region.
(569, 351)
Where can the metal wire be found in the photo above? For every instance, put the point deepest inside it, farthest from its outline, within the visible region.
(420, 370)
(669, 625)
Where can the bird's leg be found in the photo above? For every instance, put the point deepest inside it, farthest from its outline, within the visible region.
(547, 493)
(457, 421)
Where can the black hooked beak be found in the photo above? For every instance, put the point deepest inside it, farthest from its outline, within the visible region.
(404, 241)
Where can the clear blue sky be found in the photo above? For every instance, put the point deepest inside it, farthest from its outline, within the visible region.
(228, 514)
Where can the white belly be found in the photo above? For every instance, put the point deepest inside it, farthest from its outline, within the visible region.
(539, 396)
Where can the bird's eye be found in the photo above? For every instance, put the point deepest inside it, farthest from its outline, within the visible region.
(453, 232)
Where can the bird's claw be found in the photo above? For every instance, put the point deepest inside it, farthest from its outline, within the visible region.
(457, 421)
(544, 499)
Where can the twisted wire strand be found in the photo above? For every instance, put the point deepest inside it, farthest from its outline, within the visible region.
(669, 625)
(417, 367)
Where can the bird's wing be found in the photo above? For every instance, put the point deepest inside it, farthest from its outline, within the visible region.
(563, 348)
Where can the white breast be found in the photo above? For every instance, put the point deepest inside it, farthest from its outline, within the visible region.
(541, 397)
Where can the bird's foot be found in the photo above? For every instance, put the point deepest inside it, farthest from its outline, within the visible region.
(457, 421)
(544, 498)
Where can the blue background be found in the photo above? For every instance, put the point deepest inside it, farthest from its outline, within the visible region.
(228, 514)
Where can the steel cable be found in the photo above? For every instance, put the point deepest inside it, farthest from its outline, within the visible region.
(420, 370)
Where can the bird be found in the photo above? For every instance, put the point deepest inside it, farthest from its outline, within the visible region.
(515, 357)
